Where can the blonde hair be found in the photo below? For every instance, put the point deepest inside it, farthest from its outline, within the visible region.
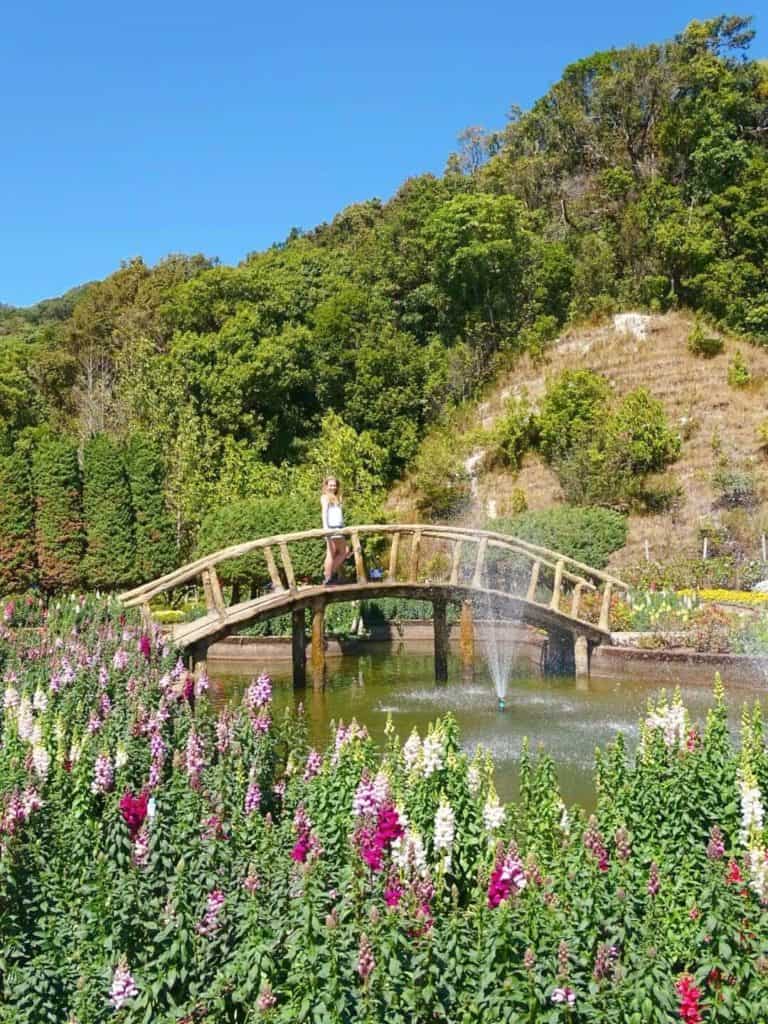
(327, 493)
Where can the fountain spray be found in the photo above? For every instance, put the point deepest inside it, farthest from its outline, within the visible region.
(502, 704)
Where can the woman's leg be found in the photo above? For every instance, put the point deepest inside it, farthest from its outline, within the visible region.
(328, 565)
(340, 552)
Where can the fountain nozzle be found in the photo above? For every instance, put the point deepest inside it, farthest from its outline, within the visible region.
(502, 704)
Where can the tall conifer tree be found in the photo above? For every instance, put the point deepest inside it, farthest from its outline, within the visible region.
(59, 533)
(111, 546)
(156, 552)
(18, 564)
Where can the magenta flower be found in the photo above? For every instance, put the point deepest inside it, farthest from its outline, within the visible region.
(214, 905)
(267, 999)
(716, 844)
(259, 693)
(252, 798)
(134, 810)
(307, 846)
(145, 646)
(593, 841)
(313, 765)
(507, 877)
(194, 759)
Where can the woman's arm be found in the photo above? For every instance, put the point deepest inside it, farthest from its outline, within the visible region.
(324, 509)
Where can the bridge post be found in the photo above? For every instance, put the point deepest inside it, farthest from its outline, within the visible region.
(467, 641)
(440, 621)
(298, 649)
(582, 653)
(318, 643)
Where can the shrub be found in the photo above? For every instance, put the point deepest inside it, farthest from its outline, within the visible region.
(638, 434)
(156, 552)
(738, 371)
(762, 435)
(518, 502)
(441, 478)
(573, 403)
(735, 486)
(589, 535)
(18, 569)
(679, 573)
(702, 344)
(111, 548)
(513, 433)
(59, 533)
(253, 518)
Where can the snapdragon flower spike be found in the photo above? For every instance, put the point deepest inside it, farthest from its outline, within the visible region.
(123, 986)
(690, 996)
(252, 797)
(145, 646)
(194, 759)
(654, 882)
(267, 1000)
(366, 964)
(307, 846)
(593, 841)
(259, 693)
(103, 775)
(214, 905)
(508, 876)
(565, 995)
(716, 844)
(375, 841)
(313, 765)
(134, 810)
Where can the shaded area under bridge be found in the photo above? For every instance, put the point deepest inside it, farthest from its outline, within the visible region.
(500, 576)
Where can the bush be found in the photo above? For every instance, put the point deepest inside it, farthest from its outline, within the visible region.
(738, 371)
(441, 478)
(513, 433)
(589, 535)
(573, 403)
(59, 533)
(111, 548)
(253, 518)
(156, 552)
(702, 344)
(638, 435)
(18, 569)
(696, 573)
(735, 486)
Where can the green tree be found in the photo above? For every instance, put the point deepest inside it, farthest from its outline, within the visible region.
(154, 530)
(110, 557)
(574, 402)
(59, 529)
(18, 569)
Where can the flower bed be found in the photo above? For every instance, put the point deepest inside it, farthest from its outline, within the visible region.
(161, 863)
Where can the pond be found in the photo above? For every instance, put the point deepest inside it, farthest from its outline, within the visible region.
(568, 718)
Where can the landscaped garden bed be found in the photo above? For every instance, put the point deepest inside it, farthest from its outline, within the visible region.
(160, 862)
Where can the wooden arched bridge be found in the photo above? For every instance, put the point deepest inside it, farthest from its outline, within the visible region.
(498, 575)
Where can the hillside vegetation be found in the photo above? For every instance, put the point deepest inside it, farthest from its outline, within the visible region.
(640, 180)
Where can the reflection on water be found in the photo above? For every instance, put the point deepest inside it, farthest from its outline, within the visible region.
(567, 717)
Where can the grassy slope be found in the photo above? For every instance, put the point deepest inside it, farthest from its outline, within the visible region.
(693, 390)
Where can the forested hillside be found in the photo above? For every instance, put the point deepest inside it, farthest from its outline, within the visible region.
(131, 408)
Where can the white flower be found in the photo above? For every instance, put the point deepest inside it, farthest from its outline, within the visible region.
(412, 750)
(758, 871)
(474, 779)
(433, 753)
(40, 700)
(121, 756)
(445, 827)
(380, 787)
(565, 821)
(41, 760)
(671, 721)
(408, 852)
(493, 812)
(10, 698)
(25, 721)
(752, 812)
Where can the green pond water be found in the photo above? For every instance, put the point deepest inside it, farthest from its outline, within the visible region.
(567, 717)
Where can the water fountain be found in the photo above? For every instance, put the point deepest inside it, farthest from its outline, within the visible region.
(498, 651)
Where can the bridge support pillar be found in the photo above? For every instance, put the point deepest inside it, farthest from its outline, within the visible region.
(467, 641)
(560, 654)
(441, 640)
(582, 654)
(318, 643)
(299, 649)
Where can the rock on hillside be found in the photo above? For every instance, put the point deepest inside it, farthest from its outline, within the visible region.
(714, 420)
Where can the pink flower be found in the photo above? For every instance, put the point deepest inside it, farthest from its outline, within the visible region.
(313, 765)
(259, 693)
(123, 986)
(214, 905)
(593, 841)
(564, 995)
(252, 798)
(654, 882)
(140, 855)
(716, 844)
(267, 1000)
(103, 775)
(307, 846)
(194, 759)
(120, 659)
(366, 964)
(507, 877)
(145, 646)
(689, 1009)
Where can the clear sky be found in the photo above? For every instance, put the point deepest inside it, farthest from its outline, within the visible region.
(154, 127)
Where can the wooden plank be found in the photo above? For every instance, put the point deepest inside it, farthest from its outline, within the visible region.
(575, 601)
(554, 604)
(605, 608)
(359, 562)
(274, 575)
(394, 551)
(146, 615)
(534, 582)
(458, 547)
(287, 565)
(477, 579)
(208, 591)
(413, 566)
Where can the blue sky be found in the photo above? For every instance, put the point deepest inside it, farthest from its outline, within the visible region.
(149, 128)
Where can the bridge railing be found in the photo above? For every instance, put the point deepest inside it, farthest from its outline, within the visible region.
(478, 560)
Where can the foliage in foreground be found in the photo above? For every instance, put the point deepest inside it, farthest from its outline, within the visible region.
(161, 862)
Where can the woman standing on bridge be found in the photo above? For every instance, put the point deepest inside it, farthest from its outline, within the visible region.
(333, 519)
